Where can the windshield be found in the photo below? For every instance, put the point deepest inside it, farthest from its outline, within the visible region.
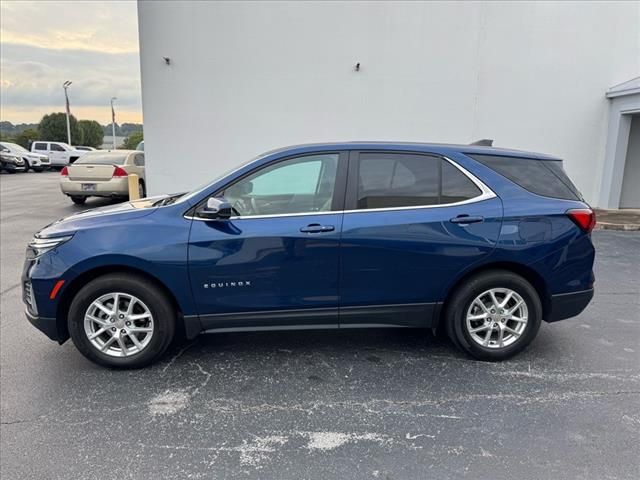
(16, 147)
(102, 158)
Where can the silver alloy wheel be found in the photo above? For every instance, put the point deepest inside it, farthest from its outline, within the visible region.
(118, 324)
(497, 318)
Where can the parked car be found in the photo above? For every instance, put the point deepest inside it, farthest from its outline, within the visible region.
(33, 161)
(480, 242)
(11, 163)
(59, 153)
(103, 174)
(84, 148)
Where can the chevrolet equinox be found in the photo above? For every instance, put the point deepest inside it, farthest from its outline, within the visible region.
(478, 242)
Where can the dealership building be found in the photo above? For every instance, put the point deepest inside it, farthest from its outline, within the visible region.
(224, 81)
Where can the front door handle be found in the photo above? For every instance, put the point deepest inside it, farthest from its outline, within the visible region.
(466, 219)
(317, 228)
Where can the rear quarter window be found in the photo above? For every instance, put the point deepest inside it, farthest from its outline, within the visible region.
(542, 177)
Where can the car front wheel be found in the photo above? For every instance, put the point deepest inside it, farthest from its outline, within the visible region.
(494, 315)
(121, 321)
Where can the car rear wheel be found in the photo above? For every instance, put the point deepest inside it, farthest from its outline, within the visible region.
(121, 321)
(27, 166)
(494, 315)
(78, 200)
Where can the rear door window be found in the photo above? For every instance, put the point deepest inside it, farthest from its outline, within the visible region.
(56, 148)
(542, 177)
(391, 180)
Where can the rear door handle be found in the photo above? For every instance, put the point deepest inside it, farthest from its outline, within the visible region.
(466, 219)
(317, 228)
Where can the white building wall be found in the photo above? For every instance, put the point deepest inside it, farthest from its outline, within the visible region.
(247, 77)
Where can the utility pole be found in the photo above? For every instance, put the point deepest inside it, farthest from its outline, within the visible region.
(113, 123)
(65, 85)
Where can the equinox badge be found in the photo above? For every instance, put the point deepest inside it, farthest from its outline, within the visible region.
(245, 283)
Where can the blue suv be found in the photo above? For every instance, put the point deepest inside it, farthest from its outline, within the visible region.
(479, 242)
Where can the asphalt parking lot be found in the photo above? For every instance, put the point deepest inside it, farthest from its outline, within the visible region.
(388, 404)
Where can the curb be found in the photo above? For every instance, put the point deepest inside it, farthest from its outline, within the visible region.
(624, 227)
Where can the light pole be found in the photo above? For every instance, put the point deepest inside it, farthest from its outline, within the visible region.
(113, 123)
(65, 85)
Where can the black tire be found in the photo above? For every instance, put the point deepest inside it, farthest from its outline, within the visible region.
(164, 318)
(37, 169)
(460, 301)
(78, 200)
(142, 189)
(27, 166)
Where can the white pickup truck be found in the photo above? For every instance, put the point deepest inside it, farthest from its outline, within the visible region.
(60, 154)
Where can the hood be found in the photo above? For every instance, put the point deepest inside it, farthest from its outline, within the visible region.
(96, 217)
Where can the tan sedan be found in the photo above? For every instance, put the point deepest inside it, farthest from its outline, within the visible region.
(103, 173)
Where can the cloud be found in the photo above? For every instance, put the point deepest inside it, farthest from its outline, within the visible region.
(81, 25)
(34, 76)
(93, 44)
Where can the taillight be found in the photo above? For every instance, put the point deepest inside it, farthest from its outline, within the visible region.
(119, 172)
(64, 172)
(585, 218)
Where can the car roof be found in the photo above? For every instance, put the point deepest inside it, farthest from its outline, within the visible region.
(113, 152)
(442, 148)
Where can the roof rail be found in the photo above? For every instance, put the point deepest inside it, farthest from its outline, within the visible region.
(485, 142)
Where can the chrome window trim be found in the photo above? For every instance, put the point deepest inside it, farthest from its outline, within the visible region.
(485, 194)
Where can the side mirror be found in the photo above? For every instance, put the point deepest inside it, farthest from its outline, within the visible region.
(216, 208)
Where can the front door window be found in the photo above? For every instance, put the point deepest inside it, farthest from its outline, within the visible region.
(298, 185)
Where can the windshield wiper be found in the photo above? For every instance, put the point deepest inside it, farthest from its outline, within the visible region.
(168, 200)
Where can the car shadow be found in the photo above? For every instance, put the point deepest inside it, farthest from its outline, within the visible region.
(373, 344)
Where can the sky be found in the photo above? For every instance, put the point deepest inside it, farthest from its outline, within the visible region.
(92, 43)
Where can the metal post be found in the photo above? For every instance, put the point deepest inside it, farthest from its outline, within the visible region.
(134, 191)
(65, 85)
(113, 123)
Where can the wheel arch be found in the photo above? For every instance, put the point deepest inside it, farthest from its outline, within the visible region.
(70, 291)
(528, 273)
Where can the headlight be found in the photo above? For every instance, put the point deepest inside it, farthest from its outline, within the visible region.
(38, 246)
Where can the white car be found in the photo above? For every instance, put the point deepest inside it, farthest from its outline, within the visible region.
(60, 154)
(34, 161)
(103, 173)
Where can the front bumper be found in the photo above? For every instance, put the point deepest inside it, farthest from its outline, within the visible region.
(567, 305)
(48, 326)
(38, 162)
(12, 167)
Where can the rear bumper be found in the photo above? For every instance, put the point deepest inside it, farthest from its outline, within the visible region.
(117, 186)
(567, 305)
(48, 326)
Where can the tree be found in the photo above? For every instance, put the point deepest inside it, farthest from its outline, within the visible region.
(5, 137)
(27, 136)
(53, 128)
(92, 133)
(133, 140)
